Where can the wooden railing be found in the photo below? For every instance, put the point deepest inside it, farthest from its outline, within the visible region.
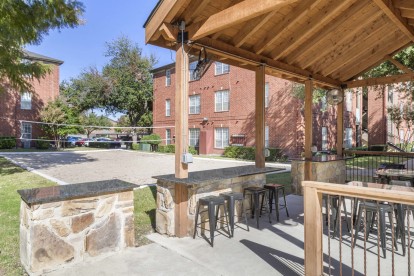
(313, 192)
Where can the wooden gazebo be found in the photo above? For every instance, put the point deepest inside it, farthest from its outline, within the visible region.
(323, 43)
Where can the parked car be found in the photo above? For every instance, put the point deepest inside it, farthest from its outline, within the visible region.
(71, 140)
(112, 144)
(83, 142)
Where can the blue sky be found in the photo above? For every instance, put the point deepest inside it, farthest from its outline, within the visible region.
(106, 20)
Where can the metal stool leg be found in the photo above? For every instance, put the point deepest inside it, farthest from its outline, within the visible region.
(196, 220)
(257, 208)
(211, 217)
(284, 198)
(243, 209)
(277, 203)
(227, 220)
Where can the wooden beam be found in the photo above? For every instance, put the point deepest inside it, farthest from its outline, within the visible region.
(293, 17)
(168, 32)
(351, 21)
(260, 117)
(404, 4)
(223, 49)
(181, 110)
(308, 119)
(399, 65)
(299, 36)
(408, 14)
(380, 81)
(313, 231)
(340, 128)
(250, 28)
(237, 14)
(396, 18)
(181, 226)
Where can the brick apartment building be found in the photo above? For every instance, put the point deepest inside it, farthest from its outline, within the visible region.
(23, 105)
(221, 112)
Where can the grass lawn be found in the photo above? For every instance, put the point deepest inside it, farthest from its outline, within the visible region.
(281, 178)
(50, 150)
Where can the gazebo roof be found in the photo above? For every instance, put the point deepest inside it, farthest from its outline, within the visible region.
(333, 42)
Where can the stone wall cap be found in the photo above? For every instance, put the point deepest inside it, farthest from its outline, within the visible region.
(72, 191)
(205, 177)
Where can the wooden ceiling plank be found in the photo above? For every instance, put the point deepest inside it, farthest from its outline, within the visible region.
(293, 17)
(194, 10)
(344, 54)
(357, 14)
(380, 81)
(362, 66)
(411, 21)
(407, 13)
(399, 65)
(233, 52)
(299, 37)
(236, 14)
(404, 4)
(250, 28)
(396, 18)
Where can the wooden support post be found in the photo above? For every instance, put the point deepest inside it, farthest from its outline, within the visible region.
(340, 129)
(313, 231)
(260, 117)
(180, 211)
(308, 118)
(181, 111)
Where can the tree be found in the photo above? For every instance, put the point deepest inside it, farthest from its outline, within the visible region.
(26, 22)
(91, 122)
(403, 116)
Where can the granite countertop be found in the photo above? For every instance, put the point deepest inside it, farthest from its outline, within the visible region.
(200, 177)
(322, 158)
(67, 192)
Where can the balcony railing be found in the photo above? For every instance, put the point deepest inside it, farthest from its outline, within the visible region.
(359, 259)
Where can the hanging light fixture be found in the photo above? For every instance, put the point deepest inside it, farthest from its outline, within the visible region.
(335, 96)
(202, 65)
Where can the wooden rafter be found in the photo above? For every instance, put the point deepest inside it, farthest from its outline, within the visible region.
(236, 14)
(396, 18)
(250, 28)
(327, 14)
(291, 18)
(380, 81)
(404, 4)
(197, 7)
(407, 13)
(356, 14)
(168, 32)
(399, 65)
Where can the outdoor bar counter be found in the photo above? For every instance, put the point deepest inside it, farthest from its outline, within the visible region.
(177, 197)
(64, 225)
(324, 168)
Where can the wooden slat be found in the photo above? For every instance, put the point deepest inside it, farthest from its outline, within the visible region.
(380, 81)
(313, 231)
(361, 65)
(404, 4)
(308, 118)
(250, 28)
(340, 128)
(181, 110)
(399, 65)
(325, 16)
(340, 58)
(355, 18)
(295, 16)
(395, 17)
(233, 52)
(260, 117)
(407, 13)
(237, 14)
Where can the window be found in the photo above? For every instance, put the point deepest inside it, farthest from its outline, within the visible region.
(192, 67)
(221, 138)
(222, 68)
(348, 138)
(323, 103)
(167, 108)
(26, 101)
(266, 94)
(324, 138)
(26, 132)
(390, 95)
(266, 136)
(222, 101)
(167, 77)
(194, 137)
(348, 101)
(168, 136)
(194, 104)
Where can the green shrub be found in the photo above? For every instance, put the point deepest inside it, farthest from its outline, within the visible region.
(171, 149)
(7, 142)
(135, 146)
(378, 148)
(276, 155)
(249, 153)
(192, 150)
(42, 144)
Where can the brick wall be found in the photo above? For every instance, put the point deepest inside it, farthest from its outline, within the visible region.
(284, 114)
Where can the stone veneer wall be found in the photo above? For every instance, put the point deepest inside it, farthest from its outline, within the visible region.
(165, 199)
(330, 172)
(60, 233)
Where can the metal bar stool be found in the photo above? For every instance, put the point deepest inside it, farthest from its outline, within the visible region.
(231, 198)
(274, 193)
(255, 206)
(213, 204)
(336, 212)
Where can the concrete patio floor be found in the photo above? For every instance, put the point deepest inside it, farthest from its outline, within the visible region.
(275, 249)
